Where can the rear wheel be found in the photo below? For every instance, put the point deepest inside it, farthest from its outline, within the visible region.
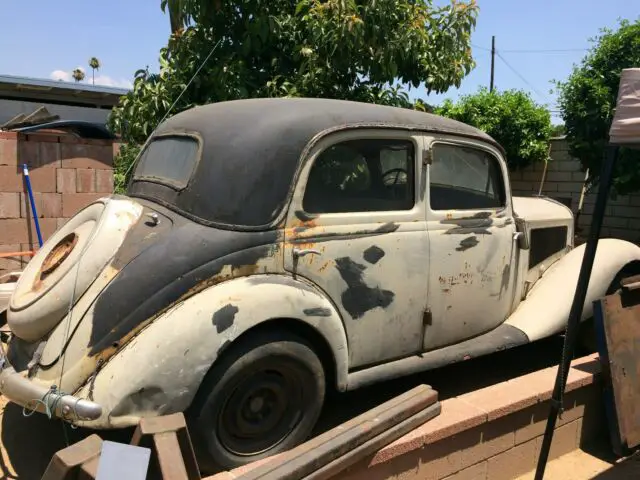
(262, 397)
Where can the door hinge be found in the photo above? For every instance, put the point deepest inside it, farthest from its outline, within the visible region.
(427, 157)
(427, 319)
(426, 322)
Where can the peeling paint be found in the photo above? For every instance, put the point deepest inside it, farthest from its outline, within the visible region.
(373, 254)
(317, 312)
(223, 318)
(358, 297)
(467, 243)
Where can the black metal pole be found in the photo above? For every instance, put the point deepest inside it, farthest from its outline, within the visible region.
(493, 60)
(576, 307)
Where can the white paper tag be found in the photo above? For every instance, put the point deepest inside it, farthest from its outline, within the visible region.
(119, 461)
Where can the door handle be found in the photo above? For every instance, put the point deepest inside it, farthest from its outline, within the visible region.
(517, 235)
(297, 253)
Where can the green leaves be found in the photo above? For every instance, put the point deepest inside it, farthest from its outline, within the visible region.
(511, 117)
(346, 49)
(587, 99)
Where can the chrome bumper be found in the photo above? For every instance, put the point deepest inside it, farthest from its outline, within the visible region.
(34, 396)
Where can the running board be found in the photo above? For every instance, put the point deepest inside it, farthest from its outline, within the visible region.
(501, 338)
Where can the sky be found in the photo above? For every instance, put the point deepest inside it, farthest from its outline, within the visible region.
(537, 41)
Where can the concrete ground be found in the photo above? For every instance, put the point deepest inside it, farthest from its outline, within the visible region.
(591, 464)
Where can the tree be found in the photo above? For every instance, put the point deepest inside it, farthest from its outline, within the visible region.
(94, 63)
(587, 99)
(78, 74)
(558, 130)
(344, 49)
(511, 117)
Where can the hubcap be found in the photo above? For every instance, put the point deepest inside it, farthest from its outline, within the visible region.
(261, 412)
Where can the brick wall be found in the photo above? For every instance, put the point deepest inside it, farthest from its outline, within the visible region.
(66, 174)
(564, 182)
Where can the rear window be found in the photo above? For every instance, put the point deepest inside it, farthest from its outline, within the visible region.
(168, 160)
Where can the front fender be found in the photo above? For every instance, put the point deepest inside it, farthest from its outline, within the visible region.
(546, 310)
(160, 370)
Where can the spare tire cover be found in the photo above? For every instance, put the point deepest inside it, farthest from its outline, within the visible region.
(66, 265)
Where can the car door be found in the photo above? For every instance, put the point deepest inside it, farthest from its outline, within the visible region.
(357, 230)
(471, 240)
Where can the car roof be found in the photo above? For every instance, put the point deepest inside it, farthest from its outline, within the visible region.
(309, 117)
(251, 150)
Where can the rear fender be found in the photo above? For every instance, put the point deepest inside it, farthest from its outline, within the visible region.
(545, 311)
(159, 371)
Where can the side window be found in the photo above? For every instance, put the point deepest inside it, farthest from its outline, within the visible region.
(464, 178)
(362, 176)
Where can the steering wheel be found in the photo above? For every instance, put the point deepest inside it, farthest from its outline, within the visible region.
(397, 171)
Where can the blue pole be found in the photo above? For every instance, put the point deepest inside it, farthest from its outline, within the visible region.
(33, 204)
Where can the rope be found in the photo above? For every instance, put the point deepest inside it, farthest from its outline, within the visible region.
(50, 404)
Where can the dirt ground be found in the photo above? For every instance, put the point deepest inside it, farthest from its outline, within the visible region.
(595, 463)
(27, 444)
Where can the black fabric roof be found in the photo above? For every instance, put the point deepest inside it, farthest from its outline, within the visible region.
(251, 150)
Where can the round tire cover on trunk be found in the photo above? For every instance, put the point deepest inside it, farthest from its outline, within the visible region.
(64, 268)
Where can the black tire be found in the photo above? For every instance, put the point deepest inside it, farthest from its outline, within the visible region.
(262, 397)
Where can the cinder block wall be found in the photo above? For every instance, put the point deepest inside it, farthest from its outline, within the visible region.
(66, 174)
(564, 181)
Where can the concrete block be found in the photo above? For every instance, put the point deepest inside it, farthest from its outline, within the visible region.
(474, 472)
(104, 181)
(9, 151)
(9, 205)
(513, 462)
(11, 179)
(66, 180)
(85, 180)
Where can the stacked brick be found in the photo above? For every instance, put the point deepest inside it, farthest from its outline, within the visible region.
(67, 173)
(564, 182)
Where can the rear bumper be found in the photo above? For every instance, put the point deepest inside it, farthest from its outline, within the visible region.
(34, 396)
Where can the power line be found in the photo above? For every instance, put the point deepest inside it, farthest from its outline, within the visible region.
(551, 50)
(560, 50)
(522, 78)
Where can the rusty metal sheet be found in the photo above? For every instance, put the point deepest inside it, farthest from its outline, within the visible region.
(617, 319)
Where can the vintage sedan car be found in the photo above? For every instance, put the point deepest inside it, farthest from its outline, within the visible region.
(269, 250)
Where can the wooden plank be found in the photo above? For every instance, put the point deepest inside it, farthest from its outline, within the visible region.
(170, 456)
(66, 463)
(317, 453)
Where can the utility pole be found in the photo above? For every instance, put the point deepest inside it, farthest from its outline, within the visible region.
(493, 60)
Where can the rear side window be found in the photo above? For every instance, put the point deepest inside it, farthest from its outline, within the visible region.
(168, 160)
(465, 178)
(368, 175)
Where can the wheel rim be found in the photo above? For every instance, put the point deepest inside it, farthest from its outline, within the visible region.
(262, 410)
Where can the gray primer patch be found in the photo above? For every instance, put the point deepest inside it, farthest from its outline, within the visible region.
(223, 318)
(373, 254)
(359, 298)
(468, 243)
(317, 312)
(476, 225)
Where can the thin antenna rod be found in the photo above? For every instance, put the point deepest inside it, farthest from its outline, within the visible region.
(179, 97)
